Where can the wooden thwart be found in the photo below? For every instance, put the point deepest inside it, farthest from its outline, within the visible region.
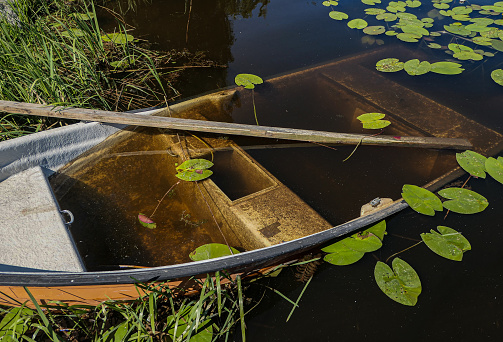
(230, 128)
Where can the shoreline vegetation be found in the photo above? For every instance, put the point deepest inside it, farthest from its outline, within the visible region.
(56, 53)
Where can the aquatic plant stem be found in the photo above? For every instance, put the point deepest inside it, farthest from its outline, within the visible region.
(254, 109)
(448, 210)
(406, 249)
(167, 192)
(359, 143)
(241, 309)
(298, 299)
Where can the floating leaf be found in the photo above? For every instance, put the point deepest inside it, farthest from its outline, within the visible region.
(421, 200)
(374, 11)
(371, 2)
(441, 6)
(391, 33)
(494, 167)
(211, 251)
(330, 3)
(420, 31)
(482, 41)
(449, 244)
(460, 17)
(83, 16)
(386, 17)
(477, 28)
(414, 67)
(389, 65)
(466, 55)
(447, 68)
(405, 15)
(434, 46)
(497, 76)
(457, 29)
(463, 201)
(435, 34)
(352, 249)
(408, 37)
(462, 10)
(146, 221)
(248, 80)
(373, 120)
(473, 163)
(374, 30)
(194, 170)
(401, 283)
(458, 48)
(338, 15)
(357, 24)
(413, 3)
(497, 45)
(117, 38)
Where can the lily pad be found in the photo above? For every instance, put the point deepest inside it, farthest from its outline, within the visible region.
(434, 46)
(421, 200)
(117, 38)
(494, 167)
(146, 221)
(441, 6)
(473, 163)
(412, 29)
(482, 41)
(401, 283)
(352, 249)
(330, 3)
(386, 17)
(194, 170)
(389, 65)
(374, 11)
(374, 30)
(462, 10)
(373, 120)
(458, 48)
(248, 80)
(408, 37)
(414, 67)
(447, 68)
(463, 201)
(497, 76)
(497, 45)
(357, 24)
(449, 243)
(338, 15)
(405, 15)
(457, 29)
(211, 251)
(413, 3)
(477, 28)
(391, 33)
(466, 55)
(371, 2)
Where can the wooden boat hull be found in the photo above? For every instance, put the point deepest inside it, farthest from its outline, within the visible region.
(352, 78)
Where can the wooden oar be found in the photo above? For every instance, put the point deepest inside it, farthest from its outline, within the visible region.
(230, 128)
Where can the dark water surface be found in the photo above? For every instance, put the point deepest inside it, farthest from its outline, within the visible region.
(461, 301)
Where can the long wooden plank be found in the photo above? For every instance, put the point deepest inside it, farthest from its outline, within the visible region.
(230, 128)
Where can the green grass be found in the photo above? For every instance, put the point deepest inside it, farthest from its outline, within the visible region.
(56, 57)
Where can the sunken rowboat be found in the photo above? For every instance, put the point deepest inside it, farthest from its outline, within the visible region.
(73, 194)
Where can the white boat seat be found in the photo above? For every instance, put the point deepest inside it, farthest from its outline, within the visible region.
(33, 235)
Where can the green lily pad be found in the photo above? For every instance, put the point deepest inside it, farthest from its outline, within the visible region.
(473, 163)
(498, 21)
(389, 65)
(357, 24)
(434, 46)
(352, 249)
(330, 3)
(444, 13)
(482, 41)
(413, 3)
(449, 243)
(374, 11)
(435, 34)
(405, 15)
(412, 29)
(374, 30)
(408, 37)
(391, 33)
(371, 2)
(211, 251)
(497, 45)
(441, 6)
(477, 28)
(466, 55)
(117, 38)
(401, 283)
(421, 200)
(414, 67)
(462, 10)
(493, 32)
(428, 20)
(338, 15)
(482, 21)
(194, 170)
(395, 9)
(460, 17)
(458, 48)
(446, 68)
(248, 80)
(373, 120)
(463, 201)
(386, 17)
(497, 76)
(457, 29)
(494, 167)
